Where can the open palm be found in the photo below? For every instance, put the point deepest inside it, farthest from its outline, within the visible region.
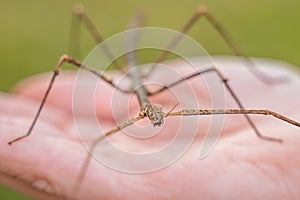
(241, 166)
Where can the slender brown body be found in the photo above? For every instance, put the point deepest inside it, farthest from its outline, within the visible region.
(154, 112)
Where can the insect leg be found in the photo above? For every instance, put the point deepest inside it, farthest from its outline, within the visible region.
(88, 157)
(245, 112)
(203, 12)
(79, 12)
(62, 60)
(230, 90)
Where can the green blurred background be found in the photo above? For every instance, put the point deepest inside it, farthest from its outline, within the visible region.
(34, 34)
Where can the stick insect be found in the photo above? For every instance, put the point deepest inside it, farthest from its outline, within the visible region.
(153, 112)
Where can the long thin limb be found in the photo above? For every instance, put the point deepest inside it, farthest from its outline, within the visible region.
(62, 60)
(245, 112)
(203, 12)
(232, 93)
(56, 72)
(238, 51)
(134, 72)
(93, 146)
(92, 29)
(193, 75)
(75, 35)
(131, 39)
(163, 56)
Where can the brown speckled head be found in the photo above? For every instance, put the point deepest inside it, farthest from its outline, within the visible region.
(154, 113)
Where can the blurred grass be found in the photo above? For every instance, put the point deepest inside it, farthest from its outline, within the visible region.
(34, 34)
(9, 194)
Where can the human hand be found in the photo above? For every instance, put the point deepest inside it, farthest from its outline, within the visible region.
(47, 163)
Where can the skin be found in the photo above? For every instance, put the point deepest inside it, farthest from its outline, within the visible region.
(241, 166)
